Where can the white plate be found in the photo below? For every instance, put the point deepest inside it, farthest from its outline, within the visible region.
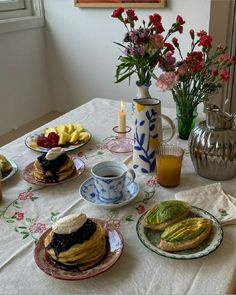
(12, 172)
(151, 238)
(89, 193)
(30, 142)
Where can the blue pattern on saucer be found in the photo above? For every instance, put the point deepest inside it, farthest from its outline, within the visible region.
(89, 193)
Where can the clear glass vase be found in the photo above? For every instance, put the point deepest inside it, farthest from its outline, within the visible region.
(186, 119)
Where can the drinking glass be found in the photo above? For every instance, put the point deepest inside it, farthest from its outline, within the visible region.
(168, 164)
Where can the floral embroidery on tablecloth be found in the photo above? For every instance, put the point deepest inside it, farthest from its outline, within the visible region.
(21, 222)
(223, 212)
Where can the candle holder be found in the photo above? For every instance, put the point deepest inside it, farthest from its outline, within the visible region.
(120, 144)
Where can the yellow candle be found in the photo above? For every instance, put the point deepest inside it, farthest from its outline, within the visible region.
(122, 118)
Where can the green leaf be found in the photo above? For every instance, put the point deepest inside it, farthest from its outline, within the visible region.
(22, 227)
(25, 235)
(34, 198)
(10, 220)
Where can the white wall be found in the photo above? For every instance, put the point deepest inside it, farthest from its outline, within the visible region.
(23, 78)
(82, 56)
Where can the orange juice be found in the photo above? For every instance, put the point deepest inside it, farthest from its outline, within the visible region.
(168, 170)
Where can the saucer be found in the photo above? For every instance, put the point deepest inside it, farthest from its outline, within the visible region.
(89, 193)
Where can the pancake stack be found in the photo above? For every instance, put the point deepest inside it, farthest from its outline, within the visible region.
(5, 166)
(53, 166)
(76, 242)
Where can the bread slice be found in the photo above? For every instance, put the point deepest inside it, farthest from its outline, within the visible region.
(166, 213)
(187, 234)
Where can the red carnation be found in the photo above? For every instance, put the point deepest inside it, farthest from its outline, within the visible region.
(169, 47)
(180, 20)
(233, 59)
(214, 72)
(130, 12)
(201, 33)
(155, 18)
(224, 75)
(205, 41)
(117, 13)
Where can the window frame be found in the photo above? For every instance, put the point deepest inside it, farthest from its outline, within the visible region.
(15, 8)
(30, 17)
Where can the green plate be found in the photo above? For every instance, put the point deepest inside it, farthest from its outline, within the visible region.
(151, 238)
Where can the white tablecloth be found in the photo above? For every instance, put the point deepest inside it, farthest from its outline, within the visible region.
(28, 210)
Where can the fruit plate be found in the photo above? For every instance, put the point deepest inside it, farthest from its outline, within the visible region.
(28, 176)
(12, 172)
(115, 249)
(31, 139)
(151, 238)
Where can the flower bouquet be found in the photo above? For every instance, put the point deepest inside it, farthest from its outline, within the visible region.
(145, 47)
(195, 77)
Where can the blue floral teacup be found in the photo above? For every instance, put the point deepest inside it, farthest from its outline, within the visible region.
(110, 179)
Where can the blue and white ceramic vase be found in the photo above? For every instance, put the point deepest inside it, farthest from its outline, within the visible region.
(148, 133)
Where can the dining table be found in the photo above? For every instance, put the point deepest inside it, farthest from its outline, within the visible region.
(28, 210)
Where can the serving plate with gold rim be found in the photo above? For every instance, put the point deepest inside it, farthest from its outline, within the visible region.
(151, 238)
(115, 249)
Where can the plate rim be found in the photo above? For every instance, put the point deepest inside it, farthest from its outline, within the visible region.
(108, 205)
(12, 172)
(35, 182)
(175, 255)
(73, 278)
(47, 149)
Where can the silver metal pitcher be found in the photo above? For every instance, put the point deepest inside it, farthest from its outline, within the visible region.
(212, 145)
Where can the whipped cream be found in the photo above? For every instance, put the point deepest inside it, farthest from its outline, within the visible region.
(69, 224)
(54, 153)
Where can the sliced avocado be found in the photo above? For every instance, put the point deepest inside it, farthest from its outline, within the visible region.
(166, 210)
(187, 229)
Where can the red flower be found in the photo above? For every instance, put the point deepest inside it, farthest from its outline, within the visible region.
(224, 75)
(141, 209)
(205, 41)
(155, 18)
(214, 72)
(223, 58)
(117, 13)
(195, 61)
(19, 215)
(130, 13)
(233, 59)
(175, 42)
(201, 33)
(180, 20)
(169, 47)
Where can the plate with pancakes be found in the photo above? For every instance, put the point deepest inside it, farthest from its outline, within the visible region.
(192, 235)
(78, 247)
(54, 167)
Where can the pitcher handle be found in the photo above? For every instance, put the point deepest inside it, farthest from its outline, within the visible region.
(131, 180)
(172, 126)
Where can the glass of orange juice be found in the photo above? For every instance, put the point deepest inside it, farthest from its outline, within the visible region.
(168, 164)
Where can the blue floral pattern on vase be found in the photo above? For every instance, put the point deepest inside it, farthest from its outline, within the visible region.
(147, 134)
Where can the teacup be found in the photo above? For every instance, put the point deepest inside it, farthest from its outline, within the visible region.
(110, 179)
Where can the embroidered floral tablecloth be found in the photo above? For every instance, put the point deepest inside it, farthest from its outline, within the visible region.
(28, 210)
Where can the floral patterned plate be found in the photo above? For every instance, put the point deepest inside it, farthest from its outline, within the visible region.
(151, 238)
(30, 142)
(89, 193)
(12, 172)
(27, 173)
(115, 249)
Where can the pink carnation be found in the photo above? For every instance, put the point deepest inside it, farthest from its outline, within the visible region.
(167, 81)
